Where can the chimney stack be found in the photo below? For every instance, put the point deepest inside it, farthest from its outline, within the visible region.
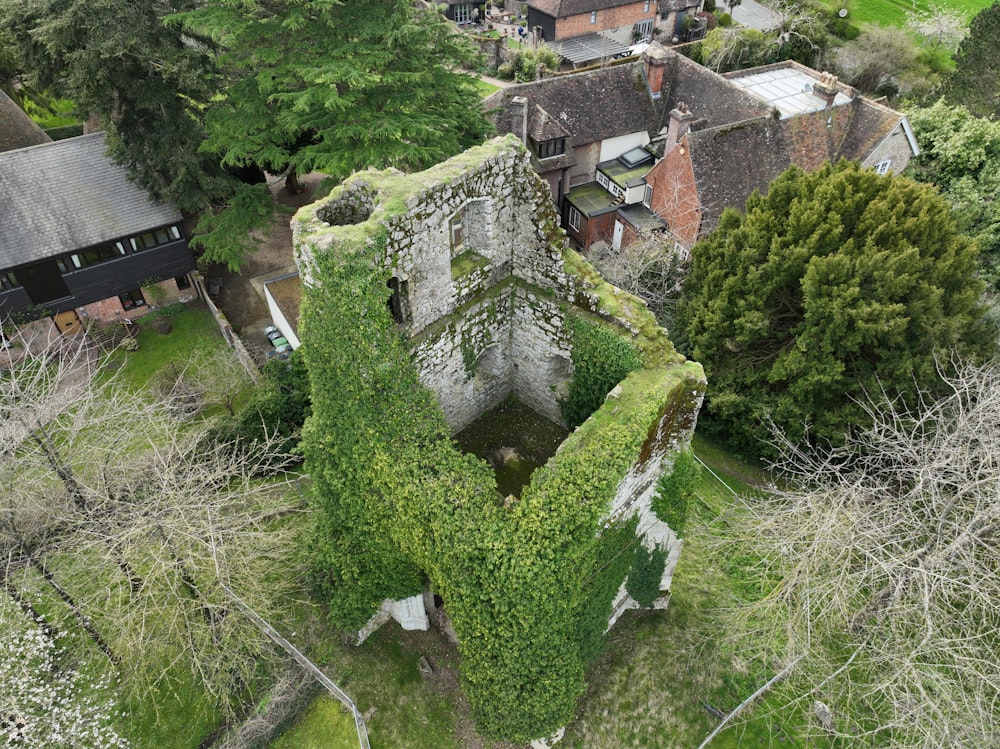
(826, 88)
(519, 118)
(654, 65)
(680, 123)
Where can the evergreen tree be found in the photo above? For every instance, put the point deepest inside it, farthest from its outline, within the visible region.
(338, 87)
(975, 83)
(142, 82)
(834, 284)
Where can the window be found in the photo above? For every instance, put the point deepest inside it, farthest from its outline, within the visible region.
(602, 180)
(647, 198)
(549, 148)
(463, 13)
(574, 218)
(132, 299)
(455, 228)
(593, 16)
(645, 7)
(183, 282)
(643, 31)
(8, 281)
(91, 256)
(882, 167)
(154, 238)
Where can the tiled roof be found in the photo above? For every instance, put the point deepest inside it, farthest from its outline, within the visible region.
(17, 130)
(67, 195)
(594, 105)
(732, 161)
(564, 8)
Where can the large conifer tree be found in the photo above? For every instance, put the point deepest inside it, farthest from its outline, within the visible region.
(976, 80)
(834, 284)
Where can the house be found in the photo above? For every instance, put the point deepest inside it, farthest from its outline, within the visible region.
(813, 119)
(665, 143)
(623, 20)
(594, 135)
(462, 12)
(79, 241)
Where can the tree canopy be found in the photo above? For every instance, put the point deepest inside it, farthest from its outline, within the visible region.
(960, 154)
(834, 284)
(974, 83)
(191, 92)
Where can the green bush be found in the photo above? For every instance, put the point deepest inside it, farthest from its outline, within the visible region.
(279, 407)
(643, 581)
(674, 492)
(601, 360)
(725, 20)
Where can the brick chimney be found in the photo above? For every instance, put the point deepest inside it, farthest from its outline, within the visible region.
(680, 122)
(826, 88)
(654, 65)
(519, 118)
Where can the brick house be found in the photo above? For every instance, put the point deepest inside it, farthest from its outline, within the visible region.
(624, 21)
(594, 135)
(79, 241)
(812, 120)
(665, 143)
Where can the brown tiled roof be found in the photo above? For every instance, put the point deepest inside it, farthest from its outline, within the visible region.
(564, 8)
(592, 106)
(17, 130)
(542, 126)
(712, 99)
(732, 161)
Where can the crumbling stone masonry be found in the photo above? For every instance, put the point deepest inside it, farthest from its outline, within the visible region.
(481, 283)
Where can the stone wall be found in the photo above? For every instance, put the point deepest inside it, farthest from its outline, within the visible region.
(472, 264)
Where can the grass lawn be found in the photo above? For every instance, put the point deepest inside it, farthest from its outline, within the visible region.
(485, 89)
(325, 725)
(895, 12)
(192, 329)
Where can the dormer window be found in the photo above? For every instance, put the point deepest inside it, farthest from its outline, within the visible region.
(549, 148)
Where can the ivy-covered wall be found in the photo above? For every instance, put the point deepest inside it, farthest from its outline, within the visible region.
(529, 586)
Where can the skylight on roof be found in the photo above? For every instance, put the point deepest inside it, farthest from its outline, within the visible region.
(635, 157)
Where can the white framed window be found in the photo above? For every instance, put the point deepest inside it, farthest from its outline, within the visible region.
(882, 167)
(574, 219)
(643, 30)
(463, 13)
(593, 16)
(645, 7)
(647, 197)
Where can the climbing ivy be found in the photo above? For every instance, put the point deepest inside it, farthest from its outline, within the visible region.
(601, 360)
(643, 581)
(529, 587)
(675, 490)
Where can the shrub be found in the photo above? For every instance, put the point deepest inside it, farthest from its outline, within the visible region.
(674, 492)
(643, 581)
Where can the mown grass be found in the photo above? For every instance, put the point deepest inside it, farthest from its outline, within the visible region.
(192, 329)
(896, 12)
(324, 725)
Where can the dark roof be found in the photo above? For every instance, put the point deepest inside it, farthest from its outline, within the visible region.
(593, 105)
(67, 195)
(564, 8)
(611, 101)
(732, 161)
(711, 98)
(17, 130)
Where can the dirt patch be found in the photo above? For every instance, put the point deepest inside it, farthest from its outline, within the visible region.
(244, 307)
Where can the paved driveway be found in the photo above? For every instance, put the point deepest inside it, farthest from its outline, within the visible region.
(755, 15)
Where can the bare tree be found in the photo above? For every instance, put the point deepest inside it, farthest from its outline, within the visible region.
(875, 58)
(650, 267)
(884, 561)
(939, 25)
(127, 516)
